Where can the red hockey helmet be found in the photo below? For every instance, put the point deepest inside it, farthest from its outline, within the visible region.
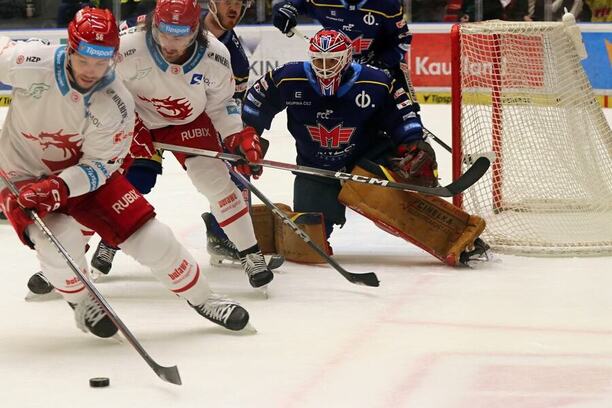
(330, 54)
(177, 17)
(93, 33)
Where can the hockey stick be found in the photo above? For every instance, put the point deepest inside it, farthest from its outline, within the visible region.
(169, 374)
(367, 279)
(467, 179)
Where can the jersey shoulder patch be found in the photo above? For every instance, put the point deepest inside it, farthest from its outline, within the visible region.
(34, 54)
(217, 51)
(288, 71)
(115, 102)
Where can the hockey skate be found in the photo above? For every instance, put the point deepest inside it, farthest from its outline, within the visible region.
(223, 311)
(478, 253)
(91, 317)
(255, 267)
(102, 260)
(40, 289)
(222, 249)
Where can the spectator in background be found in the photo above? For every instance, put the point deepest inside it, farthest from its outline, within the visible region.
(597, 11)
(66, 11)
(425, 11)
(491, 10)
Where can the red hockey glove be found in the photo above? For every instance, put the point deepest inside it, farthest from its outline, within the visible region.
(417, 163)
(44, 196)
(142, 142)
(246, 143)
(17, 217)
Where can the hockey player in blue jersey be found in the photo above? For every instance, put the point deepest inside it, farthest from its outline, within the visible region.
(377, 29)
(341, 112)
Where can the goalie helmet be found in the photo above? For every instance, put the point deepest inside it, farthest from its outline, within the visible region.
(330, 54)
(177, 17)
(93, 33)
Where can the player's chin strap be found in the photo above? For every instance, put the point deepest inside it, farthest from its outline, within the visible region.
(467, 179)
(169, 374)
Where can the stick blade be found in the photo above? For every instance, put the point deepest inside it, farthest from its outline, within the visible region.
(471, 176)
(366, 279)
(168, 374)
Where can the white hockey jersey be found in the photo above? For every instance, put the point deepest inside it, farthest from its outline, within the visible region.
(169, 94)
(52, 128)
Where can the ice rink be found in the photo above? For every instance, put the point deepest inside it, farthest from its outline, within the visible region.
(514, 333)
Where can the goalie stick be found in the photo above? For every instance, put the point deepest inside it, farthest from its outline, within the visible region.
(367, 279)
(467, 179)
(169, 374)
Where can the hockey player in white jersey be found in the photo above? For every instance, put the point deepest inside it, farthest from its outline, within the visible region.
(183, 86)
(67, 131)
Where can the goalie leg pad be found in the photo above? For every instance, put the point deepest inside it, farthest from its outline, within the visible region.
(429, 222)
(274, 236)
(263, 223)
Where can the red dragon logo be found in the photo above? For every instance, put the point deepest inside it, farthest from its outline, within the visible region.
(173, 109)
(330, 138)
(70, 149)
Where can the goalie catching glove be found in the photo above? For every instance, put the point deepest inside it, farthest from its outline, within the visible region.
(246, 143)
(416, 163)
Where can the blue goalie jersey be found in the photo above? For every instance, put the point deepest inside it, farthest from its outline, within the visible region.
(333, 132)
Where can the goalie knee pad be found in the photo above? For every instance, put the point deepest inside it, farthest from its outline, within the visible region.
(429, 222)
(211, 178)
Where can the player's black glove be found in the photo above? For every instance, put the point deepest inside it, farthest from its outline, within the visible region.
(416, 162)
(285, 18)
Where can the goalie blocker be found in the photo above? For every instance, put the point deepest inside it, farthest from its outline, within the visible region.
(431, 223)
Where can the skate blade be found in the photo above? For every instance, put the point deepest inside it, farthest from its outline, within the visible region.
(264, 291)
(217, 260)
(275, 261)
(33, 297)
(482, 259)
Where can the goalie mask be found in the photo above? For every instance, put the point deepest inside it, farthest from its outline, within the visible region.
(330, 54)
(228, 13)
(176, 23)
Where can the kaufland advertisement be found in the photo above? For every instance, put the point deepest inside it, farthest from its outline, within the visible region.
(429, 56)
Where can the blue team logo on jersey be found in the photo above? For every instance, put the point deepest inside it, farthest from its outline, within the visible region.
(330, 138)
(196, 79)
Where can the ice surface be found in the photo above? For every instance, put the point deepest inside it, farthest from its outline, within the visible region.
(518, 332)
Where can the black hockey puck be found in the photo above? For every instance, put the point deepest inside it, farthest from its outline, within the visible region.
(99, 382)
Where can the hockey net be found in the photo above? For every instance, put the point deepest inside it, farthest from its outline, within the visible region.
(519, 90)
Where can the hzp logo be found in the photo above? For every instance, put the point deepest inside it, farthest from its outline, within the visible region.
(363, 100)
